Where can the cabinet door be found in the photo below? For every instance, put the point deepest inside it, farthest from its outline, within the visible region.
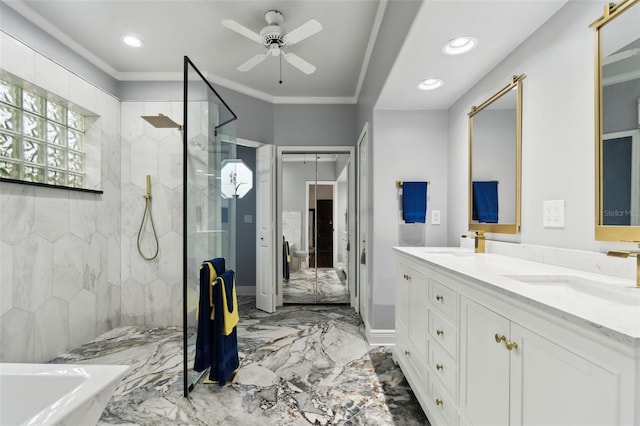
(403, 281)
(418, 327)
(552, 385)
(484, 365)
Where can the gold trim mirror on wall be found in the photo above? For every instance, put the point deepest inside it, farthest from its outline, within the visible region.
(617, 122)
(495, 160)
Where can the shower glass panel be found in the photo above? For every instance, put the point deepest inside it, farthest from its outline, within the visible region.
(315, 227)
(209, 217)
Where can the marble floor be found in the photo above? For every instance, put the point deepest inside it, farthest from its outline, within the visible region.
(301, 287)
(299, 366)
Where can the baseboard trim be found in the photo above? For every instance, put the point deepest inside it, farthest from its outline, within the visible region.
(245, 290)
(380, 337)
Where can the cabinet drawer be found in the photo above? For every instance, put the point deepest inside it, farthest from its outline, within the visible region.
(444, 299)
(443, 333)
(443, 366)
(442, 402)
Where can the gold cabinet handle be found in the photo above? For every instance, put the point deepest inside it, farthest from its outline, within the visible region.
(439, 332)
(439, 401)
(440, 298)
(500, 338)
(439, 367)
(407, 277)
(511, 345)
(407, 353)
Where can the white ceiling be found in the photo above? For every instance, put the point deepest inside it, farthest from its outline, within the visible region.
(171, 29)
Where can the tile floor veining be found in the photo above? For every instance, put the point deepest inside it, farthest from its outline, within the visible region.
(308, 285)
(301, 365)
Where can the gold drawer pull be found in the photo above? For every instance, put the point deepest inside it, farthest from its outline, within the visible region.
(439, 332)
(407, 353)
(511, 345)
(407, 277)
(440, 298)
(500, 338)
(439, 367)
(439, 401)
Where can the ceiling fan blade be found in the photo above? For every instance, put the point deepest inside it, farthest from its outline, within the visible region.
(305, 30)
(242, 30)
(299, 63)
(252, 62)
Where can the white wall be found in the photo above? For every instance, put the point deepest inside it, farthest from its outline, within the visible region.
(408, 145)
(558, 130)
(59, 249)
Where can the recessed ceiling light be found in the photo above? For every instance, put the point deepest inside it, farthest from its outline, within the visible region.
(430, 84)
(132, 41)
(459, 45)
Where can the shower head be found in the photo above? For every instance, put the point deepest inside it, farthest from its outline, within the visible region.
(161, 121)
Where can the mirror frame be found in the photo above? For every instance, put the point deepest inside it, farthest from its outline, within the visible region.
(606, 232)
(499, 228)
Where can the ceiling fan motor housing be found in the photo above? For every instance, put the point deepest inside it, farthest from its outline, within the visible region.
(272, 34)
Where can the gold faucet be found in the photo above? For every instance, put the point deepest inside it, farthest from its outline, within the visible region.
(479, 243)
(625, 254)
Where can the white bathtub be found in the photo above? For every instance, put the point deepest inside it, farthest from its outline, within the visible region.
(60, 394)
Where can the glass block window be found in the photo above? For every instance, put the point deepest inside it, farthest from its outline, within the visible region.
(40, 140)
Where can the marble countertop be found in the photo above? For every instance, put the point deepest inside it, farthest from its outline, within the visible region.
(612, 305)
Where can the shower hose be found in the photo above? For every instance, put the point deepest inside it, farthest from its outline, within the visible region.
(147, 208)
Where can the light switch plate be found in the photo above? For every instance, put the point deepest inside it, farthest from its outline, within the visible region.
(553, 214)
(435, 217)
(248, 218)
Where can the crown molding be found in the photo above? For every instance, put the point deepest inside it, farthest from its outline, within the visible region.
(375, 29)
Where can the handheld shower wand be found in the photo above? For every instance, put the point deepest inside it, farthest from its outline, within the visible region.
(147, 208)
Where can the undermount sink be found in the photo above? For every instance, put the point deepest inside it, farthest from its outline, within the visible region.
(615, 292)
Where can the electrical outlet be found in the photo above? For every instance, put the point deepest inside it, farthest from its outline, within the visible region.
(553, 214)
(435, 217)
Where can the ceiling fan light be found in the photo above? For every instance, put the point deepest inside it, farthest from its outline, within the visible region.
(132, 41)
(459, 45)
(430, 84)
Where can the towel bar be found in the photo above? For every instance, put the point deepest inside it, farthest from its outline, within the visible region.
(399, 183)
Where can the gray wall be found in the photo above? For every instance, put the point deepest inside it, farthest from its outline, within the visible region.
(246, 232)
(315, 125)
(17, 26)
(398, 17)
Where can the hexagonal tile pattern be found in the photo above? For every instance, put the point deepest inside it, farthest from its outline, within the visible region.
(143, 271)
(157, 306)
(131, 123)
(176, 304)
(161, 208)
(32, 266)
(51, 329)
(176, 210)
(6, 278)
(132, 206)
(170, 257)
(95, 259)
(113, 259)
(17, 336)
(133, 303)
(51, 213)
(125, 256)
(17, 212)
(170, 161)
(68, 266)
(143, 160)
(82, 318)
(82, 214)
(107, 308)
(108, 212)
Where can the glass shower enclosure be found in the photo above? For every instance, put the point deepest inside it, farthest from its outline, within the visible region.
(209, 136)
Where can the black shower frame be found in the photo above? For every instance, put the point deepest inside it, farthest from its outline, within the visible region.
(187, 62)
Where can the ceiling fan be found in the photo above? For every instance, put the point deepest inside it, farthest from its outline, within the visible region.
(275, 39)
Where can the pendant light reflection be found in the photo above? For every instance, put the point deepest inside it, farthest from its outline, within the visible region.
(237, 179)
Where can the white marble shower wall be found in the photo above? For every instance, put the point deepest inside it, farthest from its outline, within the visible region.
(59, 249)
(151, 289)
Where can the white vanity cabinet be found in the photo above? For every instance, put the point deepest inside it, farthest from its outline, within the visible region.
(495, 359)
(410, 350)
(513, 376)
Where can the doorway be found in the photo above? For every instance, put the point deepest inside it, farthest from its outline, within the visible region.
(315, 229)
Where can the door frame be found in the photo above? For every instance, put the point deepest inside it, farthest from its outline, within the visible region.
(292, 149)
(363, 289)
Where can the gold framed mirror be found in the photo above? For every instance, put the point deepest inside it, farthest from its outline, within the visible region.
(617, 122)
(495, 161)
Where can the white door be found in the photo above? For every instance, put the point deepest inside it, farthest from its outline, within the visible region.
(265, 218)
(363, 211)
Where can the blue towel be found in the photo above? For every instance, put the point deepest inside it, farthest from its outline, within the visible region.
(414, 202)
(204, 344)
(485, 202)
